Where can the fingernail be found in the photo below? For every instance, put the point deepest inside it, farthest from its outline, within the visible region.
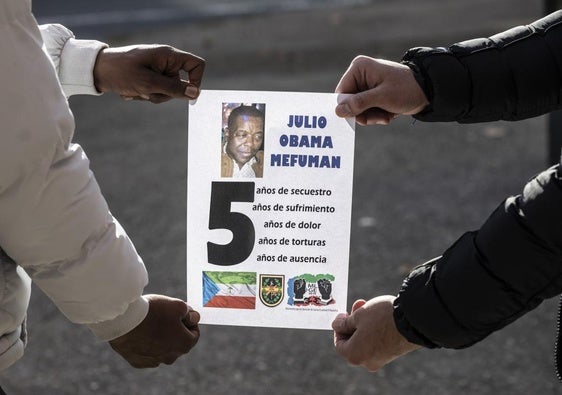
(145, 97)
(344, 110)
(193, 317)
(191, 91)
(127, 98)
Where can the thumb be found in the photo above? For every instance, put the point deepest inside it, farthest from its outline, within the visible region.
(344, 324)
(356, 104)
(191, 319)
(358, 304)
(344, 328)
(173, 87)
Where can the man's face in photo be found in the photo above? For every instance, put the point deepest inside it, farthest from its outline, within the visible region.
(245, 138)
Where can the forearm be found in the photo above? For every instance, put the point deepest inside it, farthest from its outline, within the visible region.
(510, 76)
(54, 221)
(489, 278)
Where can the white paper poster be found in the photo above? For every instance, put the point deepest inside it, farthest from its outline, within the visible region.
(268, 208)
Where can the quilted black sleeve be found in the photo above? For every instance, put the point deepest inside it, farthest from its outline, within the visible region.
(491, 277)
(513, 75)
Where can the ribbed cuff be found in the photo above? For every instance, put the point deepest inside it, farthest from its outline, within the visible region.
(77, 63)
(120, 325)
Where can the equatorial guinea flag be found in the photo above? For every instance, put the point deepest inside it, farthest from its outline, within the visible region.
(230, 290)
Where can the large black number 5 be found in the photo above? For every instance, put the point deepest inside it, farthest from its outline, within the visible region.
(220, 217)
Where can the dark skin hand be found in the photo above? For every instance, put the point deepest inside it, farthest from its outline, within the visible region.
(169, 330)
(156, 73)
(149, 72)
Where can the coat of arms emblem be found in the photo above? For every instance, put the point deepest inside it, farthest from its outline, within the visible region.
(271, 289)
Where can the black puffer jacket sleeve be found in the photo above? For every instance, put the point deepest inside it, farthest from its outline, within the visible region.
(513, 75)
(490, 277)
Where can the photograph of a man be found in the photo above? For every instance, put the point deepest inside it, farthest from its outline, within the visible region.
(242, 149)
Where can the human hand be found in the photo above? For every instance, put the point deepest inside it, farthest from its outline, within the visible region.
(368, 337)
(381, 90)
(148, 72)
(169, 330)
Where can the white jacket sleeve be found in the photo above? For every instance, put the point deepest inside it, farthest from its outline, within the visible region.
(54, 221)
(74, 59)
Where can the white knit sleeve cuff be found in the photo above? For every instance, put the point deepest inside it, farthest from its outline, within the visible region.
(76, 72)
(120, 325)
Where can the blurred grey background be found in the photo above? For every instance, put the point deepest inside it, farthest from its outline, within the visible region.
(417, 188)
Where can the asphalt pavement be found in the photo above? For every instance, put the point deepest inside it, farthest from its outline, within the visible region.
(417, 188)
